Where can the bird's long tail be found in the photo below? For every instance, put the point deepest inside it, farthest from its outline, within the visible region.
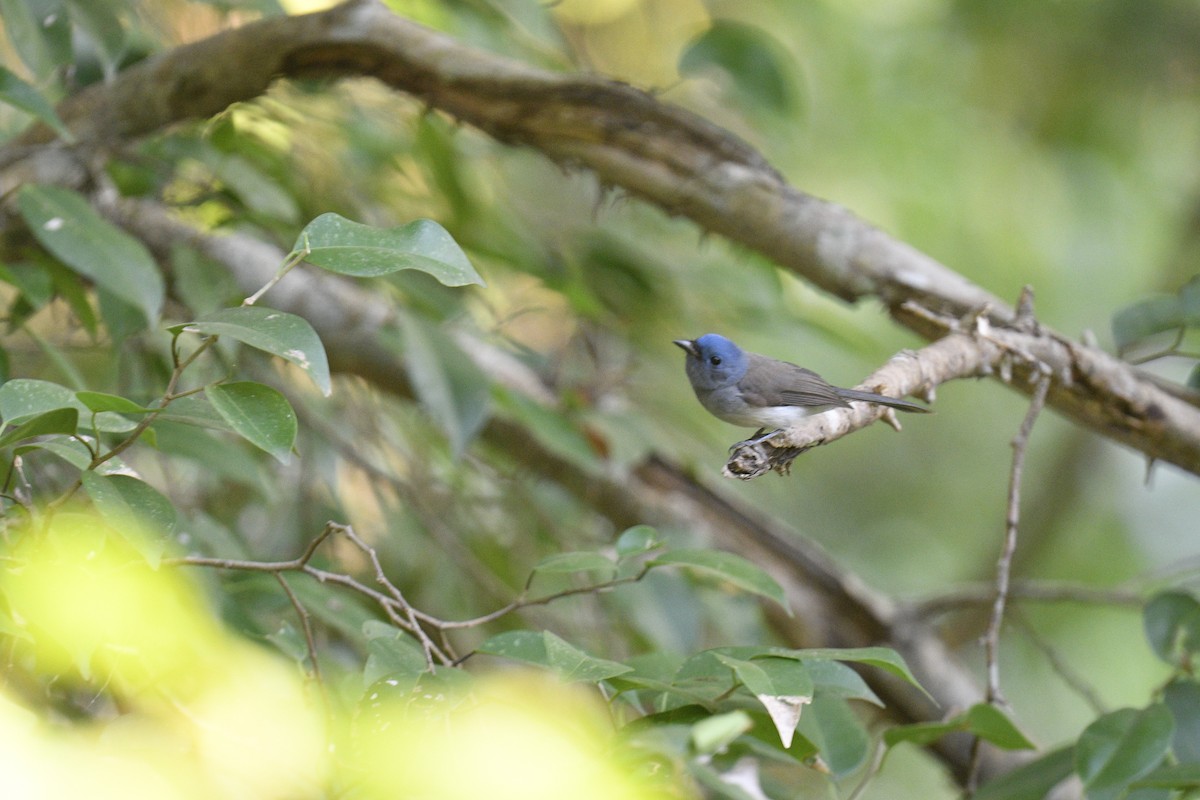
(883, 400)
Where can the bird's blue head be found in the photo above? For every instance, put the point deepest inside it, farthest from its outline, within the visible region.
(713, 361)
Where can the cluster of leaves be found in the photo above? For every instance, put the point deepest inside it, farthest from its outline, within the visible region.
(705, 710)
(1144, 753)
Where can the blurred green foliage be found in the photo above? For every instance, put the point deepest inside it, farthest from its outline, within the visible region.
(1019, 142)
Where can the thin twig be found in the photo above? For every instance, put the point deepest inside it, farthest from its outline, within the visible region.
(1027, 591)
(991, 640)
(306, 626)
(432, 650)
(1069, 676)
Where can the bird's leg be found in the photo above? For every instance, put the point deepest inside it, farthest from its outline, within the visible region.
(758, 438)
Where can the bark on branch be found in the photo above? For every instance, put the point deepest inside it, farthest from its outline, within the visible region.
(650, 149)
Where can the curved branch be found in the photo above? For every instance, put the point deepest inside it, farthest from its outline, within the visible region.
(654, 150)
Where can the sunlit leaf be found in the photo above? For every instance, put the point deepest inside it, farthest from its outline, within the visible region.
(285, 335)
(351, 248)
(68, 227)
(258, 413)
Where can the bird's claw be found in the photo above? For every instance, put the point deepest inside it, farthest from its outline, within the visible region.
(758, 438)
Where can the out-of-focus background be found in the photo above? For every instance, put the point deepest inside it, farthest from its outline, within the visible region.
(1018, 142)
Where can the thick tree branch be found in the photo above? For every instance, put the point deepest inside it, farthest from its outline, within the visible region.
(656, 151)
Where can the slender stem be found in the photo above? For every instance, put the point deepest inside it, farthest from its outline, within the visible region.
(991, 640)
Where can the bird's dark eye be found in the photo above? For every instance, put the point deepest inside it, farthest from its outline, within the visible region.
(714, 360)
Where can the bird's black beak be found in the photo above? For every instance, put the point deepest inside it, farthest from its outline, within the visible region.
(689, 346)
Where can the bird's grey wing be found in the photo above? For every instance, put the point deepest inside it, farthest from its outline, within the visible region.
(769, 382)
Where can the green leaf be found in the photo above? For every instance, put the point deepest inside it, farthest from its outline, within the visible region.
(1172, 623)
(840, 680)
(134, 508)
(883, 657)
(259, 414)
(193, 410)
(637, 540)
(63, 222)
(99, 401)
(99, 19)
(20, 94)
(40, 32)
(1032, 781)
(982, 720)
(839, 735)
(390, 651)
(450, 387)
(727, 566)
(1172, 776)
(255, 188)
(552, 428)
(583, 561)
(234, 464)
(758, 65)
(782, 685)
(59, 420)
(1182, 697)
(285, 335)
(988, 722)
(713, 734)
(547, 650)
(22, 398)
(1121, 747)
(1146, 318)
(351, 248)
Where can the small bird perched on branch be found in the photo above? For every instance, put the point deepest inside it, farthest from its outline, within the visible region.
(757, 391)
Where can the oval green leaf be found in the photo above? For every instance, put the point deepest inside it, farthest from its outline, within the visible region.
(133, 508)
(22, 398)
(63, 222)
(285, 335)
(547, 650)
(727, 566)
(340, 245)
(99, 401)
(259, 414)
(582, 561)
(1172, 623)
(1121, 747)
(19, 94)
(59, 420)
